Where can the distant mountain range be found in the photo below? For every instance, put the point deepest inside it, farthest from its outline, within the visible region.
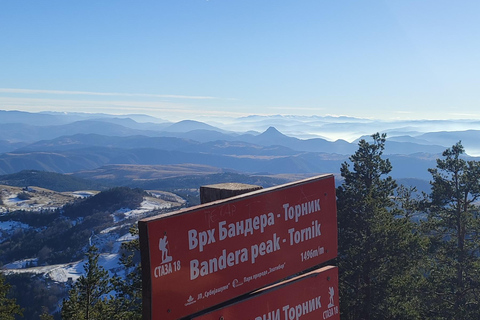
(69, 143)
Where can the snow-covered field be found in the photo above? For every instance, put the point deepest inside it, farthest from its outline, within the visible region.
(82, 194)
(20, 264)
(108, 241)
(155, 202)
(37, 199)
(65, 272)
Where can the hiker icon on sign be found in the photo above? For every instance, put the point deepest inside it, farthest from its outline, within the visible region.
(162, 245)
(331, 292)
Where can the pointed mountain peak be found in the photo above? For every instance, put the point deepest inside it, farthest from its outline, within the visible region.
(272, 132)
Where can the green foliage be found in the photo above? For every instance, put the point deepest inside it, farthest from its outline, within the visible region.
(377, 248)
(105, 201)
(128, 298)
(26, 243)
(33, 219)
(453, 227)
(86, 300)
(35, 295)
(88, 297)
(24, 196)
(46, 316)
(385, 272)
(8, 306)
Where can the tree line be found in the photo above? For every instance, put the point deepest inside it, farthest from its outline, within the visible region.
(401, 255)
(406, 257)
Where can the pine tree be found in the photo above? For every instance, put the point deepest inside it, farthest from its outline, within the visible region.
(128, 290)
(87, 298)
(45, 315)
(453, 226)
(378, 247)
(8, 306)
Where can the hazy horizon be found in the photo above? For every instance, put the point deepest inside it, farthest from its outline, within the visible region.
(329, 127)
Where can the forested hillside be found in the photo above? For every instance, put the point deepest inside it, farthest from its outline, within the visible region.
(48, 180)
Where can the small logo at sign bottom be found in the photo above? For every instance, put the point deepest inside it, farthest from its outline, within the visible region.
(236, 283)
(190, 301)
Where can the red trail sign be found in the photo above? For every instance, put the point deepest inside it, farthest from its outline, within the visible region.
(309, 297)
(199, 257)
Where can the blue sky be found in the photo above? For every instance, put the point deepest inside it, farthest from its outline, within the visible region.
(179, 59)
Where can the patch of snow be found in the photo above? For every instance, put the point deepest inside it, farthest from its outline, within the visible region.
(108, 230)
(64, 273)
(123, 210)
(110, 261)
(71, 271)
(166, 196)
(13, 199)
(82, 194)
(21, 264)
(145, 206)
(148, 204)
(127, 237)
(57, 272)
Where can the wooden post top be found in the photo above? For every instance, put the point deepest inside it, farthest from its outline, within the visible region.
(222, 191)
